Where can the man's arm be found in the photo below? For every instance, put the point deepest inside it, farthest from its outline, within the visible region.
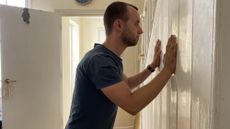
(137, 79)
(133, 102)
(121, 95)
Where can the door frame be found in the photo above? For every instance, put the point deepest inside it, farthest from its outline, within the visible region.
(80, 12)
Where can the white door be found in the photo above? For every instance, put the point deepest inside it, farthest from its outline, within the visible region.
(30, 59)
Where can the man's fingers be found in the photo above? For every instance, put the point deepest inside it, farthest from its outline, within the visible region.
(175, 48)
(159, 53)
(158, 45)
(171, 44)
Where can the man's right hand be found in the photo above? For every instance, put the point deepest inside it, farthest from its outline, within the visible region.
(170, 57)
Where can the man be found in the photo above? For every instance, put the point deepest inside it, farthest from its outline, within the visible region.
(100, 83)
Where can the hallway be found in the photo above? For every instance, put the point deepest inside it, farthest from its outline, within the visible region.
(39, 62)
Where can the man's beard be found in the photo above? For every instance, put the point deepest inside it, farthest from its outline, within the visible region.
(128, 40)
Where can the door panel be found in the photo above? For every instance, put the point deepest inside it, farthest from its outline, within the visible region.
(30, 55)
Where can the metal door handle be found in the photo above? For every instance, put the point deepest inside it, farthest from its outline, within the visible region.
(7, 81)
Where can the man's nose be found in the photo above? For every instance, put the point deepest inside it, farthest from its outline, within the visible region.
(140, 31)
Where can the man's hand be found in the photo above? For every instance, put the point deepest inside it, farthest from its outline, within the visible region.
(170, 56)
(157, 55)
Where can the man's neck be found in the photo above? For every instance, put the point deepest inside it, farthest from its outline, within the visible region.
(115, 46)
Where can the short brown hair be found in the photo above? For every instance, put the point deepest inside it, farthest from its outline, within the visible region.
(116, 10)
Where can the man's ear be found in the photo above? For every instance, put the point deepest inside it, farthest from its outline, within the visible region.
(118, 25)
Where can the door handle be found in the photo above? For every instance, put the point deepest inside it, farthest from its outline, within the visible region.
(7, 81)
(8, 88)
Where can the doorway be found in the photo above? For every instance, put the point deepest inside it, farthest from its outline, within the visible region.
(78, 36)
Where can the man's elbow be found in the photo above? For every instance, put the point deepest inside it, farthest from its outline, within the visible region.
(132, 111)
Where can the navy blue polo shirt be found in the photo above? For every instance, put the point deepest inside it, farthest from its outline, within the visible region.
(91, 109)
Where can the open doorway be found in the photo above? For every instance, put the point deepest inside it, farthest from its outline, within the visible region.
(78, 36)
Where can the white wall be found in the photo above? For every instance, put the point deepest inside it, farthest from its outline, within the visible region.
(222, 63)
(187, 100)
(89, 33)
(51, 5)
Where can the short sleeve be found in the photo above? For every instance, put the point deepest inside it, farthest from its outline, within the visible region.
(103, 71)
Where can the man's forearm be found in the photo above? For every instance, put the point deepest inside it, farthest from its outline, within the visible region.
(137, 79)
(147, 93)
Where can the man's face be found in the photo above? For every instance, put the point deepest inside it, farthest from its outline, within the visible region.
(131, 30)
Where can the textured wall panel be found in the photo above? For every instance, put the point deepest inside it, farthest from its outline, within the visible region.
(186, 101)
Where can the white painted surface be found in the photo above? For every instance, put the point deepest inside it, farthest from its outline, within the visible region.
(222, 63)
(202, 64)
(52, 5)
(187, 100)
(31, 56)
